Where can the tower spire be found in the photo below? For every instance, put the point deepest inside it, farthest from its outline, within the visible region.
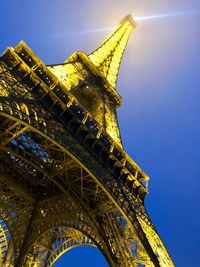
(107, 57)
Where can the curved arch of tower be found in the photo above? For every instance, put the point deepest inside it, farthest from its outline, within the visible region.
(65, 178)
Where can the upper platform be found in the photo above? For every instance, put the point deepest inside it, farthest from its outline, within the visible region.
(104, 61)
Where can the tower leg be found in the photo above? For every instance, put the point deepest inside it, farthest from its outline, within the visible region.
(19, 262)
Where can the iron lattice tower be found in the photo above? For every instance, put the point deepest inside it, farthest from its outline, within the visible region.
(65, 179)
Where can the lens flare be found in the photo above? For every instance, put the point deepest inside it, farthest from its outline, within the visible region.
(97, 30)
(139, 19)
(160, 16)
(144, 18)
(154, 17)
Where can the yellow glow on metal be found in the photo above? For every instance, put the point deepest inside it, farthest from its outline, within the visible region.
(104, 62)
(3, 242)
(60, 83)
(156, 243)
(3, 91)
(74, 238)
(111, 126)
(69, 74)
(108, 56)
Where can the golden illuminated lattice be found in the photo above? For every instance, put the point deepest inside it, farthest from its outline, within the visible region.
(65, 179)
(70, 73)
(108, 56)
(104, 62)
(157, 245)
(4, 244)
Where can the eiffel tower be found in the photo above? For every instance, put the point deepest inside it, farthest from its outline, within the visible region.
(65, 179)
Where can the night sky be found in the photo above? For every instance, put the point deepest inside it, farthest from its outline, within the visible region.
(159, 82)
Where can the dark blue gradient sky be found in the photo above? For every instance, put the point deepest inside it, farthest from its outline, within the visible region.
(159, 81)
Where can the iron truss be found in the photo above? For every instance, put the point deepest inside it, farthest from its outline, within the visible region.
(64, 181)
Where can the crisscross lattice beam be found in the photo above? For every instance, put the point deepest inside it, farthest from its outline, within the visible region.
(107, 57)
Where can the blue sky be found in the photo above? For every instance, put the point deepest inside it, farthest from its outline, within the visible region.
(160, 86)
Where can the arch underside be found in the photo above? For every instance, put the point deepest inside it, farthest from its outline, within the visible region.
(54, 243)
(49, 182)
(6, 246)
(60, 182)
